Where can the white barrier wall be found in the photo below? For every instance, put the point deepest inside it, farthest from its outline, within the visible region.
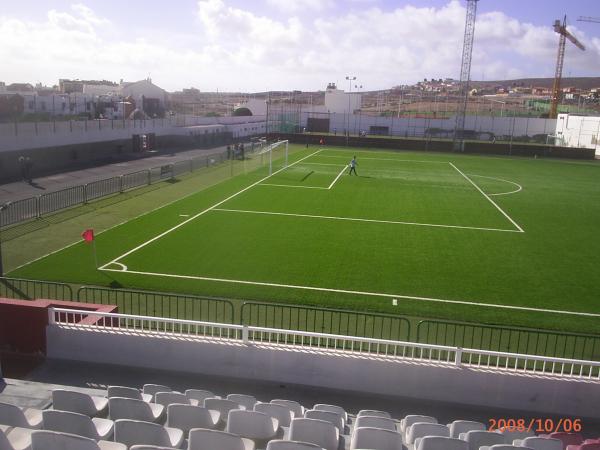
(578, 131)
(333, 369)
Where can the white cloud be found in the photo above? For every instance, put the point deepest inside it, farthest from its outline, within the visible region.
(301, 6)
(237, 49)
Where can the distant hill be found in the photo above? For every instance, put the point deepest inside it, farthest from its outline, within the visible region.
(577, 82)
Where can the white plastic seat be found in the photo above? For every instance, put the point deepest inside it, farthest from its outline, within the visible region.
(477, 439)
(149, 447)
(247, 401)
(278, 444)
(315, 431)
(16, 417)
(128, 392)
(335, 418)
(414, 418)
(373, 413)
(375, 422)
(186, 417)
(539, 443)
(222, 405)
(441, 443)
(376, 438)
(169, 398)
(79, 424)
(90, 405)
(254, 425)
(129, 408)
(152, 389)
(136, 432)
(294, 406)
(462, 426)
(16, 438)
(282, 413)
(502, 447)
(53, 440)
(511, 435)
(202, 439)
(332, 408)
(422, 429)
(199, 395)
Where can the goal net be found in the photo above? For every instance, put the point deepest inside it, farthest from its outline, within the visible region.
(275, 156)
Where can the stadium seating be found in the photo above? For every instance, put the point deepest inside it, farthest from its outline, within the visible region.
(169, 398)
(199, 395)
(128, 392)
(278, 444)
(477, 439)
(511, 435)
(332, 408)
(334, 417)
(375, 422)
(201, 439)
(15, 438)
(16, 417)
(152, 389)
(78, 402)
(566, 438)
(129, 408)
(295, 407)
(247, 401)
(186, 417)
(441, 443)
(79, 424)
(539, 443)
(412, 418)
(373, 413)
(588, 446)
(502, 447)
(132, 432)
(376, 438)
(462, 426)
(315, 431)
(53, 440)
(282, 413)
(222, 405)
(422, 429)
(149, 447)
(254, 425)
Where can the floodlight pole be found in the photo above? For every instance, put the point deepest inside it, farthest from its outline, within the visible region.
(350, 80)
(2, 208)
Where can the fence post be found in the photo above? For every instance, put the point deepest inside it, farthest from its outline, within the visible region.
(149, 177)
(121, 184)
(458, 356)
(245, 335)
(85, 196)
(37, 207)
(51, 318)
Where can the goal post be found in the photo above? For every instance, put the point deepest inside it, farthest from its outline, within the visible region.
(277, 154)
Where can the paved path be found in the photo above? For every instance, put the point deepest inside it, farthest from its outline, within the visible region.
(11, 192)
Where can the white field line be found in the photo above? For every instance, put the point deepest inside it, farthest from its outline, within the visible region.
(519, 187)
(386, 159)
(337, 178)
(293, 186)
(369, 294)
(489, 199)
(353, 219)
(202, 212)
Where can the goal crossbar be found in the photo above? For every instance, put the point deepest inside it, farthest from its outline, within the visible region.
(270, 148)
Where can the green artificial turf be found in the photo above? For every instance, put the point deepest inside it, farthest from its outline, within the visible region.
(423, 231)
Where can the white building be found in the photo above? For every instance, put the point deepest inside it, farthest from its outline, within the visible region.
(340, 102)
(100, 89)
(578, 131)
(148, 97)
(258, 107)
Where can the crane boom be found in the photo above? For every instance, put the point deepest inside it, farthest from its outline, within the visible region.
(589, 19)
(564, 34)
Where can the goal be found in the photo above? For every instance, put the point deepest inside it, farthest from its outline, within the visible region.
(276, 155)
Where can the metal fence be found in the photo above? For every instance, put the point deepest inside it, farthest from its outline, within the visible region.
(13, 213)
(507, 339)
(18, 288)
(324, 320)
(160, 304)
(432, 354)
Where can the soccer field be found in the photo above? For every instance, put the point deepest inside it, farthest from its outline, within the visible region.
(495, 240)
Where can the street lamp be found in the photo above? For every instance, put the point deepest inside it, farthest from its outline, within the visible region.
(350, 80)
(2, 208)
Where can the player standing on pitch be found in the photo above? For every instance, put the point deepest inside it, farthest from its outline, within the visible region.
(353, 167)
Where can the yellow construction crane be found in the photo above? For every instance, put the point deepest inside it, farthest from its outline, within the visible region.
(561, 29)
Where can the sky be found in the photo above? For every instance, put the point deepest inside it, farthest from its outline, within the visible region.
(259, 45)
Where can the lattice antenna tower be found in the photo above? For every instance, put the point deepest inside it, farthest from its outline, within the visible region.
(465, 74)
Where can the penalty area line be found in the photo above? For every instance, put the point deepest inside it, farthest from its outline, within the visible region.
(337, 178)
(365, 293)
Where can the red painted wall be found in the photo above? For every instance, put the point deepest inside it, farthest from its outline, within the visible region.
(23, 322)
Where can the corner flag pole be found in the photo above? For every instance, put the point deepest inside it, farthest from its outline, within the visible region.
(88, 236)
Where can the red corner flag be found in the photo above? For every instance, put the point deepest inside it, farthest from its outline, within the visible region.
(88, 235)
